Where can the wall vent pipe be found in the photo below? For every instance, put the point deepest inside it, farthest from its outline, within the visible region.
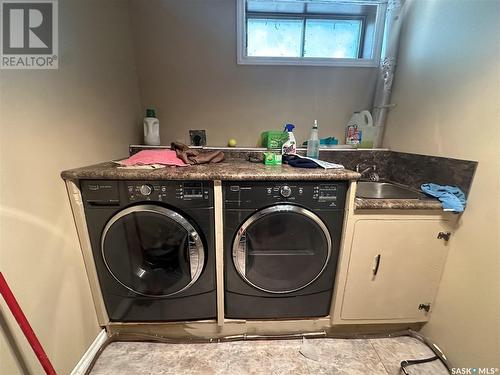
(396, 13)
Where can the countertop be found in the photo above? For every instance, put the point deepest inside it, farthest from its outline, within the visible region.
(397, 204)
(236, 169)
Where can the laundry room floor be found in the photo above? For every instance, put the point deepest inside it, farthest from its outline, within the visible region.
(322, 356)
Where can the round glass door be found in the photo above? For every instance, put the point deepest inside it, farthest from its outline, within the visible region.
(282, 249)
(152, 251)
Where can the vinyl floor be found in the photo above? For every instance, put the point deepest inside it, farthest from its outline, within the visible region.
(287, 357)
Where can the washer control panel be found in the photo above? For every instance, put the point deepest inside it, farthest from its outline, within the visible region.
(104, 193)
(256, 194)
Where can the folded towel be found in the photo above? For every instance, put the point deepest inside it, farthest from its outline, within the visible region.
(192, 156)
(147, 157)
(451, 197)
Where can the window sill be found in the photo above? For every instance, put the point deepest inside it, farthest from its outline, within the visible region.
(360, 63)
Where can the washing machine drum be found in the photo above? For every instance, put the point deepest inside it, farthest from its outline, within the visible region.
(152, 251)
(282, 249)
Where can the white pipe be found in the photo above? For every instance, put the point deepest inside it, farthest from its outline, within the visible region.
(395, 16)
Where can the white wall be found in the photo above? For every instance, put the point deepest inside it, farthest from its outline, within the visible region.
(186, 57)
(447, 91)
(85, 112)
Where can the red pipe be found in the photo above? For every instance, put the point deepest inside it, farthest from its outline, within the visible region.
(25, 326)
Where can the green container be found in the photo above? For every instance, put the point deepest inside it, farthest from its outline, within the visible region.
(272, 158)
(273, 139)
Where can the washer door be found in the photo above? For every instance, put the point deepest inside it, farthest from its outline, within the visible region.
(152, 251)
(282, 249)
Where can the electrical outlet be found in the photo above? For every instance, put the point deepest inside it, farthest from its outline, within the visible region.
(197, 137)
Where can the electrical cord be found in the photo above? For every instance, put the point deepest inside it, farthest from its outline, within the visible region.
(411, 362)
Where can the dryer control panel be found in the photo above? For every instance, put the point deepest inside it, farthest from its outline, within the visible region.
(256, 194)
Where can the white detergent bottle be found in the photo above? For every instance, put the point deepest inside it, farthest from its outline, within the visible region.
(360, 130)
(290, 146)
(313, 142)
(151, 128)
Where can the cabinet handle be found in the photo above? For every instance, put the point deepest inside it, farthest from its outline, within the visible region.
(376, 265)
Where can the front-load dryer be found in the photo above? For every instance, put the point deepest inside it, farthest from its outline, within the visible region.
(153, 247)
(281, 244)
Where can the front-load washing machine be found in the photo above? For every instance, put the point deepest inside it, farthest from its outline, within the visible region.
(281, 244)
(153, 247)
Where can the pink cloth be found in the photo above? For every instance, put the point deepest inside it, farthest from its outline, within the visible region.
(145, 157)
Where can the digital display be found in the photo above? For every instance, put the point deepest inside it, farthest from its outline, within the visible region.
(328, 193)
(192, 190)
(328, 187)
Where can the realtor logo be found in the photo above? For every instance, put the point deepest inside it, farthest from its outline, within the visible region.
(29, 34)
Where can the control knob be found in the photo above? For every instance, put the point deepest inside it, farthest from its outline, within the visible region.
(146, 190)
(285, 191)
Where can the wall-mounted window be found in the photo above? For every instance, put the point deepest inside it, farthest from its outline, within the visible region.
(310, 32)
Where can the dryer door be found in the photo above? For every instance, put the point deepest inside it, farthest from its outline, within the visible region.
(282, 249)
(152, 251)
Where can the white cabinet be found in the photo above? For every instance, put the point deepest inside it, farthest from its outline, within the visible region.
(393, 267)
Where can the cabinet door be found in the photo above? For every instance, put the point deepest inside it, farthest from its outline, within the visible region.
(395, 265)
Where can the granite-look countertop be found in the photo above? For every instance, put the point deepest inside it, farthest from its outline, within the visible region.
(230, 169)
(238, 170)
(400, 204)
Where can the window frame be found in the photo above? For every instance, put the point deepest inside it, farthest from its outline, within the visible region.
(244, 59)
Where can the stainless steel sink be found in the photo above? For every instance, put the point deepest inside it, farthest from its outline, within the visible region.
(385, 190)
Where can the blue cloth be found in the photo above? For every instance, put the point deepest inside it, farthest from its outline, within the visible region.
(451, 197)
(297, 162)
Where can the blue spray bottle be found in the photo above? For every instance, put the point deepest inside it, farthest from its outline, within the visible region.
(290, 146)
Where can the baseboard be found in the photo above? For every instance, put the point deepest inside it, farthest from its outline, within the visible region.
(88, 356)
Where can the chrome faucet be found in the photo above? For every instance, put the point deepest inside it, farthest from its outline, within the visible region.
(371, 170)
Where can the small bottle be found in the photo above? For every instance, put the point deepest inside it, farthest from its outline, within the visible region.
(151, 128)
(313, 142)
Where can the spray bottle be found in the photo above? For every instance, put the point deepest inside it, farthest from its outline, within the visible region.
(290, 146)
